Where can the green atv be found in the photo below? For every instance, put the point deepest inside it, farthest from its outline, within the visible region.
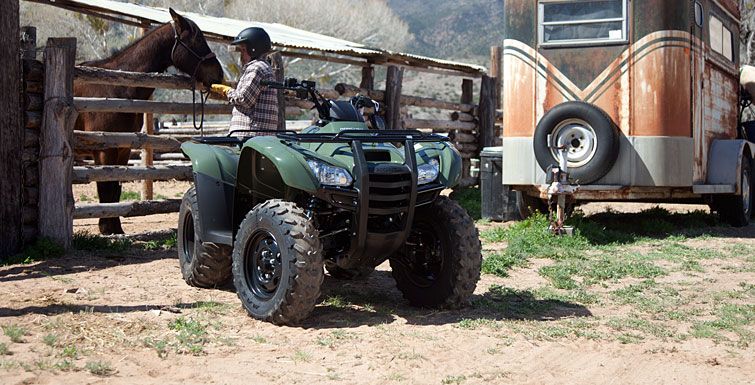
(272, 211)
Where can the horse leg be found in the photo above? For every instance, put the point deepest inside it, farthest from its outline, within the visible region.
(109, 192)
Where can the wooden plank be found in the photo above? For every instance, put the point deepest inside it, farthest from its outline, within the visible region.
(280, 74)
(496, 72)
(393, 86)
(11, 131)
(92, 75)
(146, 106)
(368, 78)
(487, 112)
(127, 209)
(439, 124)
(461, 116)
(89, 174)
(90, 141)
(147, 158)
(56, 157)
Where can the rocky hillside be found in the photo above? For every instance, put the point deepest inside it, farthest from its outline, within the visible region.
(456, 29)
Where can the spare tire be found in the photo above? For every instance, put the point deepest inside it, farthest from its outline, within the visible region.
(592, 140)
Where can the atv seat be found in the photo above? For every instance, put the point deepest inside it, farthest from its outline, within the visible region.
(222, 140)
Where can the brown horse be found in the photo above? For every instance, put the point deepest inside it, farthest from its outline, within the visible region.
(180, 44)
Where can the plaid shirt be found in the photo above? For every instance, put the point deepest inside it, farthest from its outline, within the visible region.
(254, 105)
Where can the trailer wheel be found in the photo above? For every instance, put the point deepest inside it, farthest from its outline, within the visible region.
(591, 138)
(736, 210)
(529, 205)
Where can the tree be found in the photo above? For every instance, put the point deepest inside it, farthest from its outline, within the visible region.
(747, 31)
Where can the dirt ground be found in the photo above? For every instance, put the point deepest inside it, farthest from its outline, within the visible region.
(126, 316)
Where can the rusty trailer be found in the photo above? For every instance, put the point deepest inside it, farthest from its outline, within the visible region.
(644, 95)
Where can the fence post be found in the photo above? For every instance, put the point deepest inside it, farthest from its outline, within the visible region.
(368, 78)
(280, 76)
(148, 158)
(496, 54)
(393, 85)
(11, 134)
(147, 154)
(487, 111)
(467, 97)
(56, 139)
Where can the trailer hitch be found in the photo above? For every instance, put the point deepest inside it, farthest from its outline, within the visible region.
(559, 189)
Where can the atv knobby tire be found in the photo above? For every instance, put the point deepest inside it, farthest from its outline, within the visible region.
(287, 294)
(203, 264)
(455, 276)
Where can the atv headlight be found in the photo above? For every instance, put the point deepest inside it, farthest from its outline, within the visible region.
(329, 175)
(428, 172)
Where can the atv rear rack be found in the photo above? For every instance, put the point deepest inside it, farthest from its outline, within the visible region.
(364, 136)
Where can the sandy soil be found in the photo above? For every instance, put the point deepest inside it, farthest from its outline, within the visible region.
(117, 307)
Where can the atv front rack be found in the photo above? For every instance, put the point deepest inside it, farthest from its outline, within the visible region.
(364, 136)
(369, 248)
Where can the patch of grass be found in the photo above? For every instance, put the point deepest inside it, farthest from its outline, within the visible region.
(336, 301)
(301, 356)
(259, 339)
(191, 335)
(42, 249)
(92, 242)
(65, 365)
(100, 368)
(731, 318)
(4, 351)
(500, 263)
(453, 380)
(602, 268)
(212, 307)
(633, 324)
(477, 323)
(50, 340)
(334, 338)
(470, 199)
(164, 244)
(70, 351)
(160, 346)
(578, 295)
(130, 196)
(15, 333)
(84, 198)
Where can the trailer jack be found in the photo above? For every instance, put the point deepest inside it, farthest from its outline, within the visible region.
(559, 190)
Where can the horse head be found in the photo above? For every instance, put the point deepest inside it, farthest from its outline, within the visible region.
(191, 54)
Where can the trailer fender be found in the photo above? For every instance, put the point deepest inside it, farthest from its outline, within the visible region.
(725, 161)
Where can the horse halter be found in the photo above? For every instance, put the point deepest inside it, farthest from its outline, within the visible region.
(203, 95)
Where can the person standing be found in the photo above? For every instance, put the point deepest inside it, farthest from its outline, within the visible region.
(255, 106)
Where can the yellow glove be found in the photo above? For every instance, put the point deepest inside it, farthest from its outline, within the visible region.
(220, 89)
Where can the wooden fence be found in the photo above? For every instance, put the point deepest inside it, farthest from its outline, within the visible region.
(156, 154)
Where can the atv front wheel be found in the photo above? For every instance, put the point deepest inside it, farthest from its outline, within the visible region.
(277, 263)
(439, 265)
(203, 264)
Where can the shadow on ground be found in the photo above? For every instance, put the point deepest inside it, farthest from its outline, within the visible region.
(376, 300)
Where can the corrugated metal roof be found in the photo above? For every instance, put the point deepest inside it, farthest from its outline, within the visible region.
(283, 36)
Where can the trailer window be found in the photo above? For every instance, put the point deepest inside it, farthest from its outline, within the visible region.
(721, 38)
(580, 21)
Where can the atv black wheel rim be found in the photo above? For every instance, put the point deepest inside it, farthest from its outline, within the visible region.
(262, 259)
(424, 255)
(188, 237)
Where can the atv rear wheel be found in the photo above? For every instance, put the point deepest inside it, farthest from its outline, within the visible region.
(277, 263)
(203, 264)
(439, 265)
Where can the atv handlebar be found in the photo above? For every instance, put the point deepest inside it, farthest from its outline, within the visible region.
(367, 136)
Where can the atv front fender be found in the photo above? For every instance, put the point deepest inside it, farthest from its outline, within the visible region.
(450, 161)
(290, 165)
